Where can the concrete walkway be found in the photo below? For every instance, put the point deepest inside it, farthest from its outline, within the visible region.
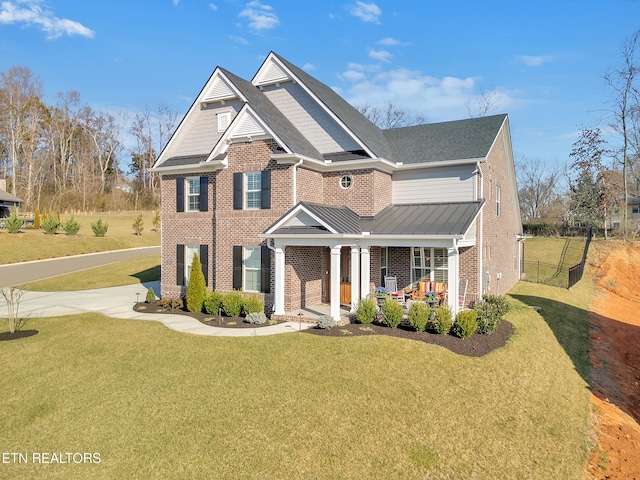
(117, 302)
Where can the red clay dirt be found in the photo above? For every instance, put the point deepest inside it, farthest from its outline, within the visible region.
(614, 326)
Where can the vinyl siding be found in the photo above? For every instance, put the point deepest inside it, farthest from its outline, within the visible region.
(310, 119)
(432, 185)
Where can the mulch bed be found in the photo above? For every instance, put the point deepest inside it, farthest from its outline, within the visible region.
(5, 336)
(475, 346)
(205, 318)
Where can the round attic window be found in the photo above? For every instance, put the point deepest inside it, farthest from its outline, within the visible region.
(346, 181)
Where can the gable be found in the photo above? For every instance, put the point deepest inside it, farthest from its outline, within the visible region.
(271, 73)
(219, 91)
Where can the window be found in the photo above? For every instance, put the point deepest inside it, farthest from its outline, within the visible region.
(346, 181)
(190, 251)
(635, 209)
(429, 265)
(384, 263)
(252, 190)
(193, 194)
(252, 269)
(184, 259)
(223, 121)
(497, 201)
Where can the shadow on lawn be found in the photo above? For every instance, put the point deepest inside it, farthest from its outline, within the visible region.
(570, 326)
(149, 275)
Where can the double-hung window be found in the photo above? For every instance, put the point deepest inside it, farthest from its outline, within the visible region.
(252, 269)
(252, 190)
(497, 201)
(193, 194)
(429, 265)
(190, 252)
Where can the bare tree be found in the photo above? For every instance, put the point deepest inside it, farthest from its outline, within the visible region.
(537, 187)
(485, 103)
(390, 116)
(623, 83)
(13, 297)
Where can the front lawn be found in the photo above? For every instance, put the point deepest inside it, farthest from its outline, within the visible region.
(155, 403)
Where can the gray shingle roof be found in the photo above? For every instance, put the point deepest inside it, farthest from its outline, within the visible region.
(273, 117)
(456, 140)
(184, 160)
(9, 198)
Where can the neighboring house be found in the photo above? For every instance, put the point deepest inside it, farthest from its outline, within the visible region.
(633, 213)
(7, 200)
(285, 189)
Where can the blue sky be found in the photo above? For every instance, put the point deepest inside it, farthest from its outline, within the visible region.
(544, 59)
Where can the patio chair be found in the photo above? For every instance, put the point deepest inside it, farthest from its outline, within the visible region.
(462, 292)
(391, 284)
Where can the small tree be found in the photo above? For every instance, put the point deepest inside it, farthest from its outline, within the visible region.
(71, 226)
(50, 224)
(14, 223)
(138, 225)
(36, 218)
(13, 296)
(151, 296)
(196, 289)
(156, 221)
(99, 228)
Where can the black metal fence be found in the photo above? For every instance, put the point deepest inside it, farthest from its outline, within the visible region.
(557, 275)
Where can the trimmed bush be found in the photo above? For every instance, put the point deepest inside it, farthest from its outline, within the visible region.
(197, 288)
(232, 303)
(256, 318)
(171, 303)
(466, 324)
(71, 226)
(14, 223)
(441, 322)
(489, 312)
(366, 311)
(419, 314)
(50, 224)
(138, 225)
(36, 218)
(99, 228)
(151, 296)
(325, 322)
(392, 312)
(213, 302)
(252, 304)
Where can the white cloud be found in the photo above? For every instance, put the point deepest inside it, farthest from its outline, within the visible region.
(176, 2)
(213, 7)
(381, 55)
(309, 67)
(31, 12)
(367, 12)
(438, 99)
(534, 60)
(239, 40)
(261, 17)
(389, 41)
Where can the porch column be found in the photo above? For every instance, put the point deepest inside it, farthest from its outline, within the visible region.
(335, 282)
(355, 278)
(365, 272)
(278, 305)
(453, 279)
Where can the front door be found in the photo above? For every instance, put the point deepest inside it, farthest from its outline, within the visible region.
(345, 276)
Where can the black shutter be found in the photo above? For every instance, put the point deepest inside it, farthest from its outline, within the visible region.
(265, 200)
(237, 268)
(180, 194)
(265, 269)
(180, 265)
(204, 260)
(204, 194)
(237, 191)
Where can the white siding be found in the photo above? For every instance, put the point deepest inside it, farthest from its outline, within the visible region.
(310, 119)
(432, 185)
(200, 133)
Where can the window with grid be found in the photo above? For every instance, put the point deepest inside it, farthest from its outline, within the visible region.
(193, 194)
(429, 265)
(252, 269)
(497, 201)
(189, 253)
(252, 190)
(384, 263)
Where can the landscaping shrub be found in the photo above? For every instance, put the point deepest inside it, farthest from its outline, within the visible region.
(489, 312)
(213, 302)
(419, 314)
(232, 303)
(50, 224)
(156, 221)
(466, 324)
(71, 226)
(325, 322)
(14, 223)
(252, 304)
(172, 303)
(197, 288)
(99, 228)
(366, 311)
(392, 312)
(257, 318)
(36, 218)
(151, 296)
(138, 225)
(441, 321)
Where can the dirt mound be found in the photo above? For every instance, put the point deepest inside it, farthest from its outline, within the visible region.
(614, 321)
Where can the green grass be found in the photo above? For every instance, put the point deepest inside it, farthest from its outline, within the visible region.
(159, 404)
(36, 245)
(139, 270)
(547, 260)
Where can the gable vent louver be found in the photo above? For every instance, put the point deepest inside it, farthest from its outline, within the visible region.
(248, 127)
(219, 91)
(273, 74)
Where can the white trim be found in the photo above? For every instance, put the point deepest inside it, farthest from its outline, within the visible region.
(365, 271)
(279, 287)
(291, 214)
(355, 277)
(335, 282)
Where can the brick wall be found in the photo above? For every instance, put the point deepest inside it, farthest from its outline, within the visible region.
(304, 276)
(369, 193)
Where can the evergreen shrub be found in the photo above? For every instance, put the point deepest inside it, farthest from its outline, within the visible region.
(71, 226)
(252, 304)
(256, 318)
(490, 312)
(366, 311)
(466, 324)
(325, 322)
(441, 321)
(99, 228)
(392, 312)
(213, 302)
(138, 225)
(232, 303)
(419, 314)
(151, 296)
(14, 223)
(50, 224)
(197, 288)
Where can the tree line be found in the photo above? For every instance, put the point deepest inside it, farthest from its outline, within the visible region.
(70, 156)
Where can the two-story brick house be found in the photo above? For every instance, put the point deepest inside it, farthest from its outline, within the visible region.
(283, 188)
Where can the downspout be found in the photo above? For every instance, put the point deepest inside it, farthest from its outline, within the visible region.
(295, 180)
(481, 235)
